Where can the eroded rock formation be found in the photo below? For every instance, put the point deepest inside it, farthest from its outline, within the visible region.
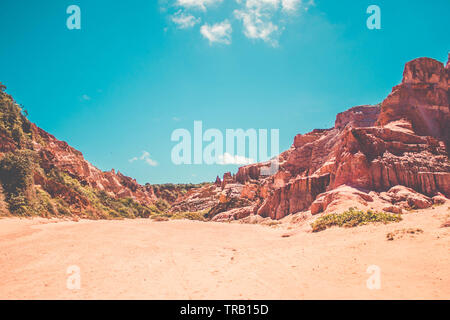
(392, 156)
(370, 151)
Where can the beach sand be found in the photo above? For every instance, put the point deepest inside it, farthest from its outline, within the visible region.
(144, 259)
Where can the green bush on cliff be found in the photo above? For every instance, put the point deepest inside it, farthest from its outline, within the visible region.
(125, 208)
(16, 171)
(13, 123)
(170, 192)
(352, 218)
(105, 205)
(23, 198)
(162, 205)
(16, 177)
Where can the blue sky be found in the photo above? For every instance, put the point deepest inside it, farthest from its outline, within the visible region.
(137, 70)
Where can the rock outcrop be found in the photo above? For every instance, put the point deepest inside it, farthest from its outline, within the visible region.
(54, 153)
(392, 156)
(46, 176)
(404, 142)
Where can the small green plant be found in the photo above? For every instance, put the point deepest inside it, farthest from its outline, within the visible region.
(352, 218)
(162, 205)
(197, 216)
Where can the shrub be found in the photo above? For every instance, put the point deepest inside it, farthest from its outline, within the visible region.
(352, 218)
(198, 215)
(16, 171)
(162, 205)
(13, 123)
(16, 177)
(18, 204)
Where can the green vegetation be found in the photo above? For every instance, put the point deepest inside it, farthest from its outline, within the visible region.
(16, 177)
(56, 192)
(352, 218)
(13, 124)
(170, 192)
(25, 199)
(104, 205)
(197, 216)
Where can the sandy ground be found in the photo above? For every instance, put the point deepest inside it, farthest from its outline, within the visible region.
(142, 259)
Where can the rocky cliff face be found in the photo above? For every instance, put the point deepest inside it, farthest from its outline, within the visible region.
(394, 156)
(58, 154)
(422, 98)
(370, 150)
(56, 177)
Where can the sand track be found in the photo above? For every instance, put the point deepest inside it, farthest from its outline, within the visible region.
(142, 259)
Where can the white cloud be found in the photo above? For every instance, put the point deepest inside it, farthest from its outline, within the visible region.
(219, 32)
(183, 20)
(257, 24)
(145, 157)
(85, 97)
(290, 6)
(263, 19)
(260, 19)
(197, 4)
(227, 159)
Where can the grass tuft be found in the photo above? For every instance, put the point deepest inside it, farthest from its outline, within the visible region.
(353, 218)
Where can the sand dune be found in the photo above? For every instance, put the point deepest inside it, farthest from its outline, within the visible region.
(142, 259)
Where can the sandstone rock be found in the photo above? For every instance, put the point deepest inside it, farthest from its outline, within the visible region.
(393, 209)
(361, 116)
(404, 141)
(340, 199)
(318, 205)
(422, 98)
(227, 178)
(399, 149)
(419, 203)
(253, 219)
(234, 214)
(54, 153)
(414, 199)
(249, 191)
(198, 199)
(439, 199)
(294, 197)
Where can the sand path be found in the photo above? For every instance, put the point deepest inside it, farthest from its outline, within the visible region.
(142, 259)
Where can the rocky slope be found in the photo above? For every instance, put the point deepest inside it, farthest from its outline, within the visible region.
(41, 175)
(391, 156)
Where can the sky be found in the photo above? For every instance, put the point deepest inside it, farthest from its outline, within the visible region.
(137, 70)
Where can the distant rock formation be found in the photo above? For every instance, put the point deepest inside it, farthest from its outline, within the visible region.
(371, 151)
